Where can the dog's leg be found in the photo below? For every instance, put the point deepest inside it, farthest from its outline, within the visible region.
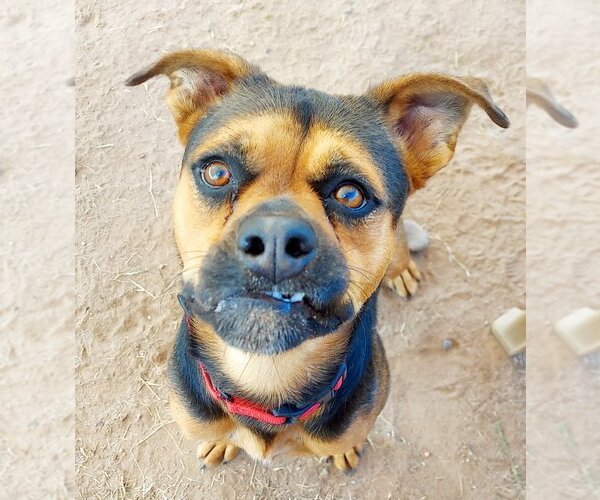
(345, 449)
(402, 275)
(349, 460)
(213, 453)
(214, 447)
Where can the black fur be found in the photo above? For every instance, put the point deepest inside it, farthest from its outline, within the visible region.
(324, 281)
(255, 325)
(231, 298)
(359, 117)
(356, 394)
(186, 381)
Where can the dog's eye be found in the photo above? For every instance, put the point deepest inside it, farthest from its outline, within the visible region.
(216, 174)
(350, 195)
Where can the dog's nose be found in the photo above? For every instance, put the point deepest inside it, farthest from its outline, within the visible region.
(276, 247)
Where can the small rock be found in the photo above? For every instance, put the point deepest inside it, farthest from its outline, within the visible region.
(520, 361)
(416, 236)
(592, 360)
(447, 344)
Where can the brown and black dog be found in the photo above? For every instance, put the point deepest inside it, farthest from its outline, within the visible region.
(286, 218)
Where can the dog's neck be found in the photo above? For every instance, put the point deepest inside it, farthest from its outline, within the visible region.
(279, 378)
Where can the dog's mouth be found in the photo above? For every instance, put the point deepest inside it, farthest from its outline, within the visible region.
(283, 302)
(293, 298)
(268, 321)
(257, 314)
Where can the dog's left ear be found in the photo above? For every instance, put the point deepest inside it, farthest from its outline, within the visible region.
(425, 113)
(199, 79)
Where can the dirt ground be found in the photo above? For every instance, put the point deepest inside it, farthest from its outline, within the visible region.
(563, 251)
(37, 235)
(454, 425)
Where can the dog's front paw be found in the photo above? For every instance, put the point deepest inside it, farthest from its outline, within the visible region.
(407, 282)
(213, 453)
(349, 460)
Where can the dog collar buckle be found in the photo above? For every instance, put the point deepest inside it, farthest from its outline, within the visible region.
(224, 396)
(290, 412)
(291, 420)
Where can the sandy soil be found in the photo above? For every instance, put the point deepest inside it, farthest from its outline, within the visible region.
(563, 251)
(454, 425)
(36, 251)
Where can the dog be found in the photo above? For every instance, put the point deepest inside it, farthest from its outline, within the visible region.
(286, 217)
(538, 94)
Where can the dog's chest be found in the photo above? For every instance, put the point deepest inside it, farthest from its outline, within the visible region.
(286, 442)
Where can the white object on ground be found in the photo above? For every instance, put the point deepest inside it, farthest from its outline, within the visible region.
(416, 236)
(580, 330)
(510, 330)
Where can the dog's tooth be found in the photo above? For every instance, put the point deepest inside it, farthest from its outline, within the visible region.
(297, 297)
(277, 295)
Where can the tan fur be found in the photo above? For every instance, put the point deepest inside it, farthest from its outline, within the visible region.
(354, 437)
(426, 127)
(272, 143)
(322, 145)
(274, 379)
(401, 255)
(424, 113)
(192, 427)
(198, 80)
(291, 440)
(215, 452)
(228, 431)
(402, 275)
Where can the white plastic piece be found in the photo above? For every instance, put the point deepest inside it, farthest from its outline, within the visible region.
(510, 330)
(580, 330)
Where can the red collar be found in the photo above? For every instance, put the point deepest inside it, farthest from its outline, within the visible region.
(285, 414)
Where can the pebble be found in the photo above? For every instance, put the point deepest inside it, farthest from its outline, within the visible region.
(447, 344)
(416, 236)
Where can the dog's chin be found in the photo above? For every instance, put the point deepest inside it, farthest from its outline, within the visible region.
(270, 325)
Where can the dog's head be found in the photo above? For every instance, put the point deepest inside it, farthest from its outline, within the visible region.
(289, 197)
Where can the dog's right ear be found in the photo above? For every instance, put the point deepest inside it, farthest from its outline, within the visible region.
(538, 93)
(425, 113)
(199, 78)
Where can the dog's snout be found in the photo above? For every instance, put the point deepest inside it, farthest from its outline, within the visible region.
(276, 247)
